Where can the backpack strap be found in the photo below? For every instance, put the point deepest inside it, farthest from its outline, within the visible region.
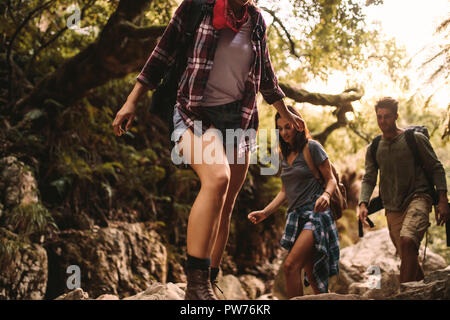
(310, 162)
(374, 149)
(198, 10)
(412, 144)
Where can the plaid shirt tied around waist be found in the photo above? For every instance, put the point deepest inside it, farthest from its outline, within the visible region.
(326, 241)
(200, 58)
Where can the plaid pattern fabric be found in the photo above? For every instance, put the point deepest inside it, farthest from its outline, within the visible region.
(200, 58)
(326, 241)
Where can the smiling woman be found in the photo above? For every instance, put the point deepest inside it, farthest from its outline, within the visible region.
(310, 233)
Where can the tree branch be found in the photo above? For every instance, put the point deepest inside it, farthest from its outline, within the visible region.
(337, 100)
(341, 101)
(134, 32)
(13, 38)
(116, 52)
(286, 32)
(54, 38)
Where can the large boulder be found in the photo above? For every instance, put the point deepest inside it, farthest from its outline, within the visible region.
(231, 287)
(122, 259)
(25, 277)
(160, 291)
(376, 250)
(330, 296)
(76, 294)
(23, 264)
(435, 286)
(253, 286)
(17, 183)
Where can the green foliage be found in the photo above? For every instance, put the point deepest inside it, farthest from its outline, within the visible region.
(30, 219)
(327, 34)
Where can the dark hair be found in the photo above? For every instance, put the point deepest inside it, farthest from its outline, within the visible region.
(387, 103)
(300, 140)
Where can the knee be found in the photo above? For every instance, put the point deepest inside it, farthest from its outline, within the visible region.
(219, 181)
(290, 267)
(407, 244)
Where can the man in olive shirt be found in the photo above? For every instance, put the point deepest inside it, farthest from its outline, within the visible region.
(403, 188)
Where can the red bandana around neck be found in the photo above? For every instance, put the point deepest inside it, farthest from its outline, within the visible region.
(223, 16)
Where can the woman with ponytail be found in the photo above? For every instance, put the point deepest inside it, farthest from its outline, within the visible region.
(310, 233)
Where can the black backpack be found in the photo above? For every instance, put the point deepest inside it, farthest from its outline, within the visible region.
(165, 95)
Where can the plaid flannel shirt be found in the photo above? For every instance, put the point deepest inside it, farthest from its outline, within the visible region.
(200, 58)
(326, 241)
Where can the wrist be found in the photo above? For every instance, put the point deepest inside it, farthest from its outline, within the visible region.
(363, 204)
(327, 193)
(132, 100)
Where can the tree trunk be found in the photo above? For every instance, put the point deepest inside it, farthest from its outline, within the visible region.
(121, 48)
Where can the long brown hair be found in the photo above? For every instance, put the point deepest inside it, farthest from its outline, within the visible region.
(300, 140)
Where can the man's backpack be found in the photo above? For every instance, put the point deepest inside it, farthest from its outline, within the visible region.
(338, 200)
(412, 144)
(165, 95)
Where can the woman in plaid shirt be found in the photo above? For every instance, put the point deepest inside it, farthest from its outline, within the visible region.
(228, 63)
(310, 234)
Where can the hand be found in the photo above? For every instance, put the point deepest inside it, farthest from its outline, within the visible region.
(294, 120)
(323, 203)
(127, 112)
(442, 212)
(363, 213)
(256, 216)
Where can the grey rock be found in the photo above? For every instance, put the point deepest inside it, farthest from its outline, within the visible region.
(76, 294)
(108, 297)
(435, 286)
(26, 277)
(159, 291)
(330, 296)
(376, 249)
(231, 287)
(253, 286)
(122, 259)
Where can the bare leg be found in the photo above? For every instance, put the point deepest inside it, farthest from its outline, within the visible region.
(298, 257)
(409, 267)
(238, 174)
(205, 212)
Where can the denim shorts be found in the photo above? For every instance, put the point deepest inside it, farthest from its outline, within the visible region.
(222, 117)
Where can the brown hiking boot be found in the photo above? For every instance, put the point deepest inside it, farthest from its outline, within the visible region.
(199, 285)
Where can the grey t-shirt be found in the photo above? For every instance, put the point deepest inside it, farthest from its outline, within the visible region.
(298, 180)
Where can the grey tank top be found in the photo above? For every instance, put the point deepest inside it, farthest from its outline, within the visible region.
(231, 67)
(298, 180)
